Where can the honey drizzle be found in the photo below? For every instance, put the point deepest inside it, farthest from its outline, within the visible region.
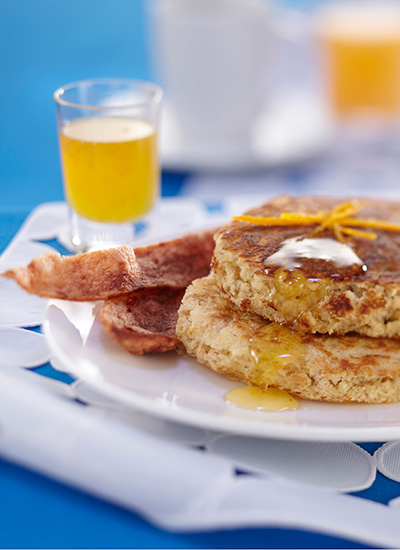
(273, 349)
(296, 294)
(268, 399)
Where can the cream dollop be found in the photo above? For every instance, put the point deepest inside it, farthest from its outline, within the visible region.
(330, 250)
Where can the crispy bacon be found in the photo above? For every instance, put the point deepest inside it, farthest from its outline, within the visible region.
(143, 321)
(104, 274)
(142, 287)
(176, 263)
(85, 277)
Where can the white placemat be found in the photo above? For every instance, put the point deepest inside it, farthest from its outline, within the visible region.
(134, 460)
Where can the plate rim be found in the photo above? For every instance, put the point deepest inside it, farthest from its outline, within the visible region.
(210, 421)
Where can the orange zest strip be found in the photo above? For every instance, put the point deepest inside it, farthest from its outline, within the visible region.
(338, 231)
(372, 223)
(340, 219)
(298, 220)
(357, 233)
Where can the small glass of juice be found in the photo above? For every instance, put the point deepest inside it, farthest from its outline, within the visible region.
(107, 132)
(361, 48)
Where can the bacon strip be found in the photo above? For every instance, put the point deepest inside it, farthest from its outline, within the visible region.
(85, 277)
(143, 321)
(104, 274)
(176, 263)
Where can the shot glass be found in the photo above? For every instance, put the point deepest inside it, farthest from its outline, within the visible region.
(108, 132)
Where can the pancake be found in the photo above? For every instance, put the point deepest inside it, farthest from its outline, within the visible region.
(245, 347)
(335, 295)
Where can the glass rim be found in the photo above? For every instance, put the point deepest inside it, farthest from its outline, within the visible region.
(144, 84)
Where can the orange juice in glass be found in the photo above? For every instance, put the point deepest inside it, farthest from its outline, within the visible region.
(361, 46)
(108, 145)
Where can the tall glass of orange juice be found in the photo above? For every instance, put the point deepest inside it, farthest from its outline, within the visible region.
(108, 145)
(361, 46)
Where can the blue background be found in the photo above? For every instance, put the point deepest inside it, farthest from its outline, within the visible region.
(45, 44)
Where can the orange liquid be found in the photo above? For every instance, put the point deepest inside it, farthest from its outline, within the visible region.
(110, 168)
(363, 61)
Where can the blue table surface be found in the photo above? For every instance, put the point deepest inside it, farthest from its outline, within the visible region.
(44, 44)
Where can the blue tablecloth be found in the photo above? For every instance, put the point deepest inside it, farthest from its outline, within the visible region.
(46, 44)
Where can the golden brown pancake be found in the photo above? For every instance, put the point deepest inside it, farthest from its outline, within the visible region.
(248, 348)
(318, 295)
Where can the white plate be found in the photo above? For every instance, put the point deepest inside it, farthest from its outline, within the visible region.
(182, 390)
(293, 128)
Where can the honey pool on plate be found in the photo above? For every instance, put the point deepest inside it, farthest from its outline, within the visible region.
(268, 399)
(110, 167)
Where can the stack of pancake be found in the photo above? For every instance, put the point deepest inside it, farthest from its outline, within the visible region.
(301, 308)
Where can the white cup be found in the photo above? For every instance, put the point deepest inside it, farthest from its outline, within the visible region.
(212, 59)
